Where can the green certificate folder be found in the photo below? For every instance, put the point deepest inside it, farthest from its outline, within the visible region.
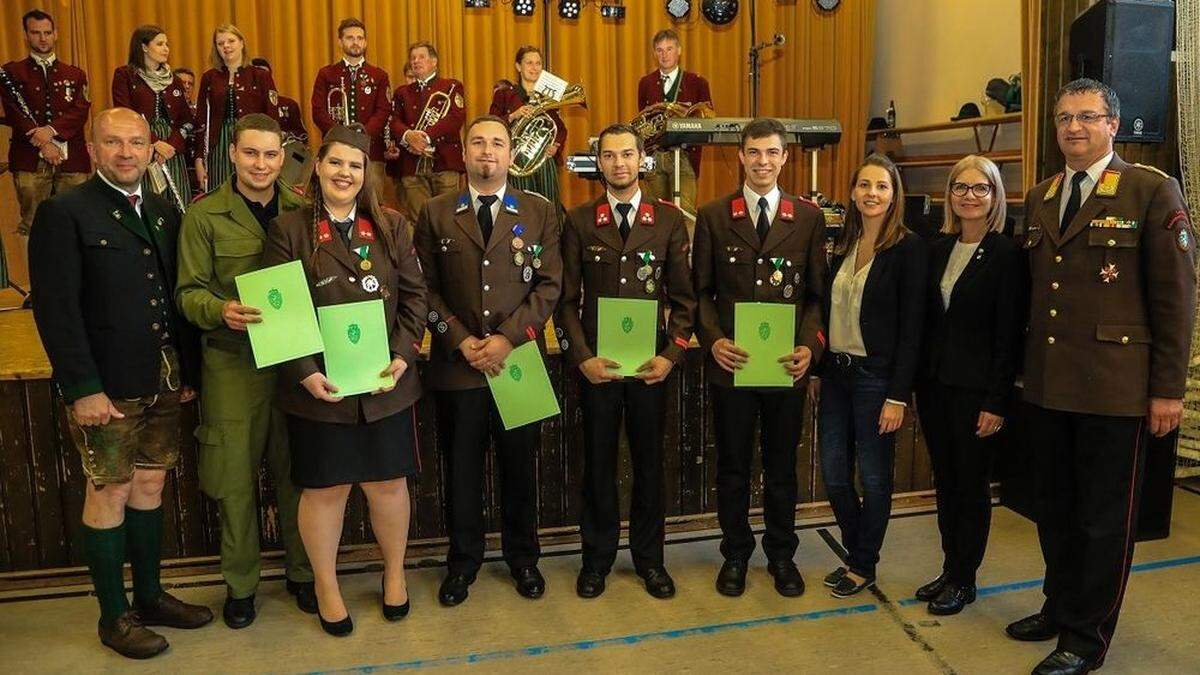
(626, 331)
(766, 331)
(522, 390)
(289, 324)
(356, 346)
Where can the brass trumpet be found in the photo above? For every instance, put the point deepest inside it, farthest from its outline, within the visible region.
(437, 106)
(534, 133)
(651, 122)
(339, 112)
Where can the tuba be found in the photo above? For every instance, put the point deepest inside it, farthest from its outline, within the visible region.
(437, 106)
(651, 122)
(533, 134)
(338, 104)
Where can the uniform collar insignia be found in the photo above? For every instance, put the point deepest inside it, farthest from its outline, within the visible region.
(510, 203)
(365, 231)
(645, 214)
(603, 214)
(786, 210)
(737, 208)
(324, 233)
(464, 203)
(1107, 185)
(1052, 192)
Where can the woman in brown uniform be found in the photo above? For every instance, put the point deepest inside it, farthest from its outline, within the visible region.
(352, 250)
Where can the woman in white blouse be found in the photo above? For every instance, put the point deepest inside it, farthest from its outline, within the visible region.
(874, 314)
(974, 318)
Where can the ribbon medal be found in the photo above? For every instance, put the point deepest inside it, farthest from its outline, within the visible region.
(517, 242)
(536, 251)
(777, 275)
(363, 263)
(645, 271)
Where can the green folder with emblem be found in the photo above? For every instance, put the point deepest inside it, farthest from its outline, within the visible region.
(355, 335)
(766, 331)
(288, 329)
(522, 390)
(626, 331)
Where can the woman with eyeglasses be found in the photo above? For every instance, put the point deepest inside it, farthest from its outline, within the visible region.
(973, 327)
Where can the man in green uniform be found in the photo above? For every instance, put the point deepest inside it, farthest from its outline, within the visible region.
(223, 236)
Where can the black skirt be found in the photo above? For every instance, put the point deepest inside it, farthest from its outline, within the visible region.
(325, 454)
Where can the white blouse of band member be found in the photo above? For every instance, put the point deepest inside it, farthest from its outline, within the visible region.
(845, 329)
(959, 257)
(635, 202)
(752, 202)
(1085, 186)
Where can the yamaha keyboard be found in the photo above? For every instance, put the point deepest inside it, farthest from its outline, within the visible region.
(728, 131)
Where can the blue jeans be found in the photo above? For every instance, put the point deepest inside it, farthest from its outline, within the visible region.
(848, 435)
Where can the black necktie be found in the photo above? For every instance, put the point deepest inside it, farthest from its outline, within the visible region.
(764, 223)
(343, 228)
(1073, 201)
(484, 216)
(624, 210)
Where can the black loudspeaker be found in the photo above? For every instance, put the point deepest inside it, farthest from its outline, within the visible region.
(1127, 44)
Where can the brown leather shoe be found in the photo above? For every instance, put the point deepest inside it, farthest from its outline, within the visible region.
(174, 613)
(127, 637)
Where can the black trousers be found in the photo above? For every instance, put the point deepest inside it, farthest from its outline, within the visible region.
(466, 421)
(1089, 476)
(643, 406)
(735, 412)
(961, 474)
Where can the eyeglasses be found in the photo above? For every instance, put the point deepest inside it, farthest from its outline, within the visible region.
(978, 189)
(1064, 119)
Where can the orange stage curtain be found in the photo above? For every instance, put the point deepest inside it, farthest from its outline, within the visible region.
(824, 71)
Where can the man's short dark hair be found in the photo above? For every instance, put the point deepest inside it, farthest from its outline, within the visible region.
(1086, 85)
(761, 127)
(256, 122)
(616, 130)
(350, 22)
(260, 62)
(426, 44)
(35, 15)
(487, 118)
(665, 34)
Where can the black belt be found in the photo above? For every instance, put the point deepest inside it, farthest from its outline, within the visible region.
(844, 360)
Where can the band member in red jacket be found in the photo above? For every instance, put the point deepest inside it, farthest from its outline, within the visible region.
(511, 102)
(290, 120)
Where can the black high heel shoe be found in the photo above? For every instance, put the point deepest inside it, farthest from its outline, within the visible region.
(392, 612)
(340, 628)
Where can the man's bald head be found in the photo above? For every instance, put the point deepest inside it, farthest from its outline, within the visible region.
(120, 146)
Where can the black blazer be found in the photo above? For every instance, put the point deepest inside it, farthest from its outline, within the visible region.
(893, 306)
(975, 343)
(98, 292)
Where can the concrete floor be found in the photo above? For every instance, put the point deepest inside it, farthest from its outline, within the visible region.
(698, 631)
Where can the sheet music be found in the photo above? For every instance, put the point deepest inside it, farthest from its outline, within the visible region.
(550, 85)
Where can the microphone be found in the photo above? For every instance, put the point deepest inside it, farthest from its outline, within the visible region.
(780, 39)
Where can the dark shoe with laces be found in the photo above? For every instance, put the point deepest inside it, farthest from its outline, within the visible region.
(589, 584)
(731, 580)
(306, 595)
(658, 583)
(393, 612)
(530, 582)
(1062, 662)
(834, 577)
(1033, 628)
(932, 589)
(239, 612)
(172, 612)
(454, 589)
(788, 581)
(129, 638)
(847, 586)
(952, 600)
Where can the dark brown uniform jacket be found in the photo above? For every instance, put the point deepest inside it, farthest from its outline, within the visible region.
(596, 264)
(1112, 298)
(60, 100)
(730, 265)
(477, 289)
(369, 98)
(334, 278)
(408, 102)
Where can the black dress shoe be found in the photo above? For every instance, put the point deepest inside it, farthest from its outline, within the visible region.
(306, 595)
(340, 628)
(454, 589)
(788, 581)
(530, 583)
(952, 599)
(731, 580)
(129, 638)
(658, 583)
(172, 612)
(835, 576)
(239, 612)
(932, 589)
(1033, 628)
(392, 612)
(589, 584)
(1062, 662)
(847, 586)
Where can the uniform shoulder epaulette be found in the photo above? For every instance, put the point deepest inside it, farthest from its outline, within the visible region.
(297, 189)
(1153, 169)
(666, 202)
(805, 200)
(538, 195)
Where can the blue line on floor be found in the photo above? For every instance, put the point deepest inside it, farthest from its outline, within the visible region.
(584, 645)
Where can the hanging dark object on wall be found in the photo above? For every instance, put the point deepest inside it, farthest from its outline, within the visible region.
(719, 12)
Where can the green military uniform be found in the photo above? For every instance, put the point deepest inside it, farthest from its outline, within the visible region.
(221, 239)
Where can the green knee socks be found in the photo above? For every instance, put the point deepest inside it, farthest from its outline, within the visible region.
(104, 551)
(144, 545)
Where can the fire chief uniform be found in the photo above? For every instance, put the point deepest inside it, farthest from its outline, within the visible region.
(1110, 322)
(478, 286)
(419, 181)
(367, 91)
(732, 264)
(635, 250)
(36, 93)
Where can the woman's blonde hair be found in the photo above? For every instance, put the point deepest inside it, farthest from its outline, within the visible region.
(893, 223)
(951, 223)
(215, 57)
